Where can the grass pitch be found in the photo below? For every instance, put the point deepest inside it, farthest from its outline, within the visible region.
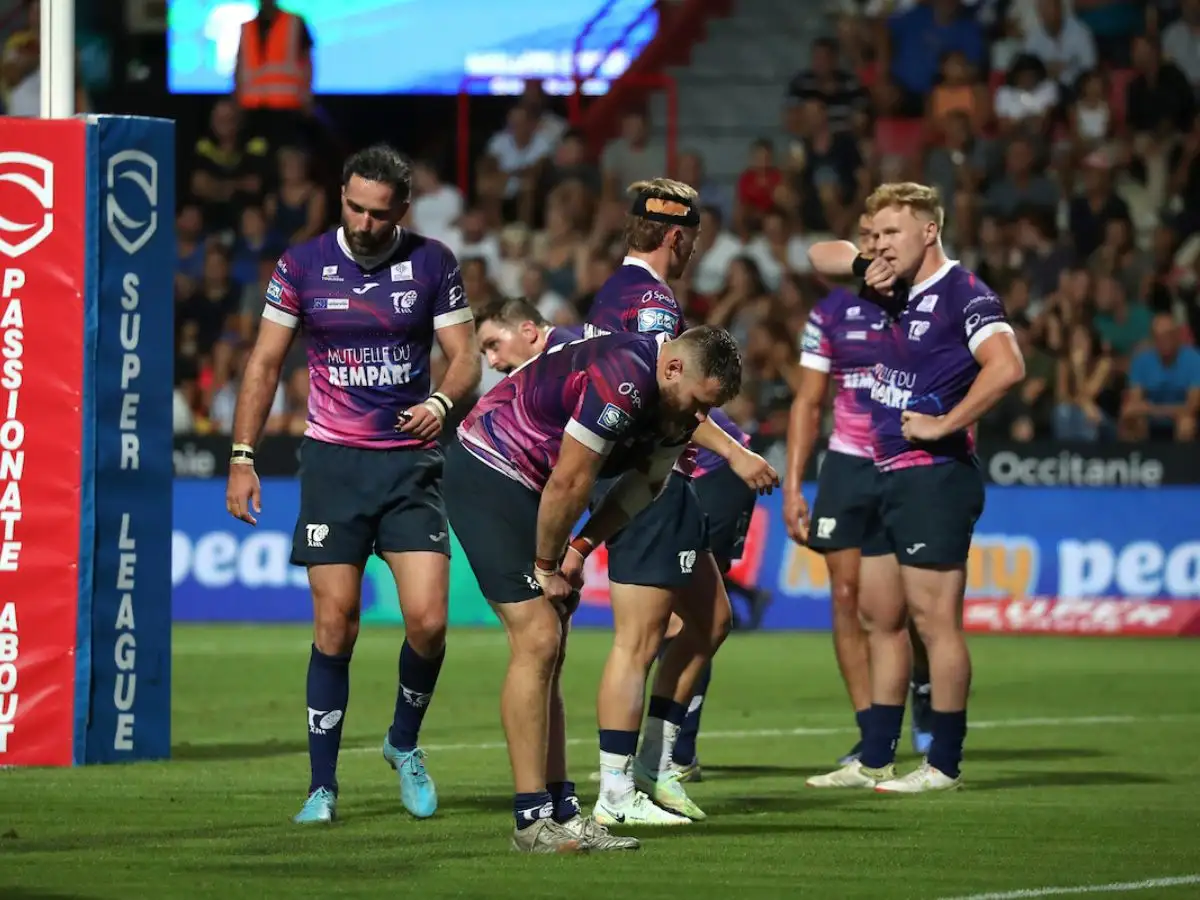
(1082, 769)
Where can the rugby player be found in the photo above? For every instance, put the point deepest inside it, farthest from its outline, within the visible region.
(512, 332)
(372, 298)
(949, 357)
(881, 291)
(518, 479)
(664, 559)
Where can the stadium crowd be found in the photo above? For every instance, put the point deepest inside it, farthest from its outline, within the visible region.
(1063, 136)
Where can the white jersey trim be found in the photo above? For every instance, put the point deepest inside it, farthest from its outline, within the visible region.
(454, 317)
(815, 362)
(588, 438)
(642, 264)
(274, 314)
(986, 332)
(933, 279)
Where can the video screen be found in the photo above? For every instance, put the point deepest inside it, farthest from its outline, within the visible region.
(419, 46)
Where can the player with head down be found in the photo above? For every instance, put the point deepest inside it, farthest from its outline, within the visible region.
(372, 298)
(949, 357)
(528, 456)
(665, 558)
(512, 332)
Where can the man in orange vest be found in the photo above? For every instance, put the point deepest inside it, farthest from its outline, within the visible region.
(273, 79)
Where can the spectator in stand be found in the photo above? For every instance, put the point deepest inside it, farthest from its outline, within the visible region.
(185, 396)
(296, 208)
(515, 241)
(273, 78)
(557, 249)
(224, 398)
(1113, 23)
(1027, 101)
(715, 249)
(1122, 324)
(1160, 100)
(690, 169)
(1021, 187)
(957, 167)
(632, 157)
(1024, 414)
(570, 163)
(1091, 210)
(190, 242)
(436, 206)
(838, 88)
(1063, 43)
(779, 249)
(770, 359)
(549, 126)
(1119, 257)
(960, 89)
(1181, 41)
(744, 301)
(1090, 117)
(1082, 374)
(1184, 162)
(477, 283)
(1163, 398)
(216, 299)
(513, 164)
(832, 177)
(228, 168)
(916, 40)
(553, 306)
(1043, 257)
(756, 185)
(254, 241)
(472, 240)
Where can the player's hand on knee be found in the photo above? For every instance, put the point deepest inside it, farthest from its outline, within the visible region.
(420, 421)
(572, 568)
(755, 471)
(795, 516)
(243, 493)
(555, 586)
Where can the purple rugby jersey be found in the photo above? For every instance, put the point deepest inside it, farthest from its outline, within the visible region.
(843, 338)
(370, 328)
(635, 299)
(928, 364)
(603, 391)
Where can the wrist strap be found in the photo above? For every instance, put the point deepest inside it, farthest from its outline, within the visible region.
(443, 401)
(582, 545)
(545, 566)
(241, 455)
(860, 265)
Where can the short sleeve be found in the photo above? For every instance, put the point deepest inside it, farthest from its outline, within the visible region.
(816, 350)
(617, 387)
(450, 307)
(982, 316)
(283, 293)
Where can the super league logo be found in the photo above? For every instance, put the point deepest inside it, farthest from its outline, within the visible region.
(39, 184)
(140, 171)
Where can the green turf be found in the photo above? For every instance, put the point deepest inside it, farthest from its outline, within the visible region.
(1103, 791)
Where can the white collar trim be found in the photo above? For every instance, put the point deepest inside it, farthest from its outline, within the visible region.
(372, 261)
(642, 264)
(933, 279)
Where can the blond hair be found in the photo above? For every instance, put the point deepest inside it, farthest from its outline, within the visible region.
(644, 235)
(921, 199)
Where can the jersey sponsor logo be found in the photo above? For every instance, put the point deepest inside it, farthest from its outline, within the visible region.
(927, 303)
(854, 312)
(890, 395)
(614, 419)
(880, 325)
(629, 389)
(274, 289)
(402, 271)
(403, 301)
(362, 289)
(856, 335)
(810, 341)
(651, 320)
(916, 330)
(592, 331)
(334, 303)
(975, 301)
(329, 273)
(455, 296)
(861, 379)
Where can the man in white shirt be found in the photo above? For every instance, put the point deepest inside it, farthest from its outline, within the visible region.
(518, 148)
(1062, 42)
(1181, 41)
(437, 206)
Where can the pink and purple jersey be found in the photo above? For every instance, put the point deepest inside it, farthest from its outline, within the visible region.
(563, 334)
(636, 299)
(370, 327)
(928, 364)
(602, 391)
(843, 338)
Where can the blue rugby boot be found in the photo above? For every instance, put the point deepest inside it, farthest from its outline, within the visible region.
(321, 806)
(921, 718)
(417, 790)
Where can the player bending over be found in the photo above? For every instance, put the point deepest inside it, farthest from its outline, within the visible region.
(949, 357)
(663, 559)
(372, 298)
(519, 478)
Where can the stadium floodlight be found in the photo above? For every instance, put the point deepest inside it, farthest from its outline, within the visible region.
(58, 58)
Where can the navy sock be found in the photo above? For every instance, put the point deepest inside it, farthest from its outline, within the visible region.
(528, 808)
(860, 717)
(328, 692)
(949, 733)
(566, 802)
(418, 678)
(685, 744)
(619, 743)
(881, 735)
(667, 710)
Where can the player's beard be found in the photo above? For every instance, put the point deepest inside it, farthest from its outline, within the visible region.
(365, 243)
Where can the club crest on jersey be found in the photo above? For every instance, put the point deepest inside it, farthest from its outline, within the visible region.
(402, 271)
(927, 303)
(403, 301)
(854, 312)
(274, 289)
(657, 320)
(916, 330)
(614, 419)
(329, 273)
(811, 340)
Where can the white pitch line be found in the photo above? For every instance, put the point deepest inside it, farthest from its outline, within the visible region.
(1123, 887)
(818, 732)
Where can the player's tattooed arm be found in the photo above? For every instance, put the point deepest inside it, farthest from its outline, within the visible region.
(260, 381)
